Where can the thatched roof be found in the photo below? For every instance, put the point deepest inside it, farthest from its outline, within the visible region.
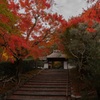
(56, 54)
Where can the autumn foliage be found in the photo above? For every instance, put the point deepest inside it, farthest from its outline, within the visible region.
(88, 16)
(27, 28)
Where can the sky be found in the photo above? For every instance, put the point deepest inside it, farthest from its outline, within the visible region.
(69, 8)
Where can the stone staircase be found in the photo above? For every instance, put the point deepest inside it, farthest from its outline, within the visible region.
(50, 84)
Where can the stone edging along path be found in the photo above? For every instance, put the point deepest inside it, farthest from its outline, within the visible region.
(9, 92)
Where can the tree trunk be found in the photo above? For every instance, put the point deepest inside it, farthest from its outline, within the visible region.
(18, 69)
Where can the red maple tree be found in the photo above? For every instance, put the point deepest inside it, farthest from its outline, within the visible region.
(30, 27)
(92, 15)
(36, 24)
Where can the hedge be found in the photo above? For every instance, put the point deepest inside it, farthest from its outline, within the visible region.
(8, 68)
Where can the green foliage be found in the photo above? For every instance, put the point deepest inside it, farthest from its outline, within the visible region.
(84, 46)
(8, 68)
(94, 67)
(8, 18)
(57, 65)
(5, 11)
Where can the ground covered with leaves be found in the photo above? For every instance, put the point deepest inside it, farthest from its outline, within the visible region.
(13, 84)
(81, 89)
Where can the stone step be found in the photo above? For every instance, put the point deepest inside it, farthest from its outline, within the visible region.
(53, 73)
(46, 77)
(50, 77)
(33, 83)
(40, 93)
(47, 82)
(48, 86)
(42, 89)
(20, 97)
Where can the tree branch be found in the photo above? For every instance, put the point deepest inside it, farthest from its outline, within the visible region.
(31, 29)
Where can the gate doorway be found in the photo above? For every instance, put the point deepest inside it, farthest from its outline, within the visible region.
(55, 65)
(56, 60)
